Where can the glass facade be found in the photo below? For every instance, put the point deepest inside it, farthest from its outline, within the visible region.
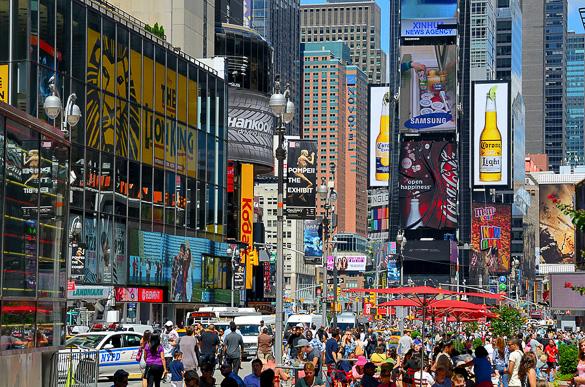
(575, 94)
(555, 19)
(149, 153)
(33, 209)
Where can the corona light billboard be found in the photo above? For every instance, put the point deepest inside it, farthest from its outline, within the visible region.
(491, 134)
(379, 107)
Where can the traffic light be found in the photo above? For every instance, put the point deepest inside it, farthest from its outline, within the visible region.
(372, 299)
(253, 257)
(338, 291)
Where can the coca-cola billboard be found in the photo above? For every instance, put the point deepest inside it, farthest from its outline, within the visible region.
(429, 173)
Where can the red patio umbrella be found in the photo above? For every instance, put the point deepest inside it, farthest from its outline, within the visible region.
(451, 304)
(400, 302)
(491, 296)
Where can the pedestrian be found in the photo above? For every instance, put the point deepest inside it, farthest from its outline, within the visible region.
(234, 348)
(386, 379)
(420, 376)
(514, 363)
(527, 370)
(294, 337)
(120, 379)
(551, 352)
(267, 378)
(314, 341)
(442, 376)
(169, 339)
(177, 369)
(228, 373)
(404, 344)
(357, 371)
(580, 378)
(500, 362)
(188, 345)
(261, 327)
(208, 345)
(207, 379)
(444, 357)
(371, 342)
(156, 366)
(191, 379)
(271, 364)
(482, 367)
(311, 354)
(264, 344)
(311, 379)
(253, 379)
(368, 380)
(141, 355)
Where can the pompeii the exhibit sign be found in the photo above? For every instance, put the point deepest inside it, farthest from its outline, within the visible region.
(557, 231)
(301, 179)
(428, 182)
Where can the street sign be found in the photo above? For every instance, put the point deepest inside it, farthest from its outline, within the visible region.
(339, 281)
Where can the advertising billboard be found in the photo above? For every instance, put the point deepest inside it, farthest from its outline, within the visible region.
(565, 291)
(78, 262)
(557, 232)
(301, 178)
(347, 263)
(250, 128)
(379, 136)
(491, 133)
(579, 235)
(427, 257)
(313, 242)
(428, 179)
(428, 91)
(423, 18)
(138, 294)
(491, 235)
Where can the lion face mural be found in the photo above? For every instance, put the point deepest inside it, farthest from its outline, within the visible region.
(111, 120)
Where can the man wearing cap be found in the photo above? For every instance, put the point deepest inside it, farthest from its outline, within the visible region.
(120, 379)
(310, 354)
(169, 339)
(293, 339)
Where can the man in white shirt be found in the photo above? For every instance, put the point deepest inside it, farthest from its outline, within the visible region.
(489, 347)
(404, 344)
(514, 365)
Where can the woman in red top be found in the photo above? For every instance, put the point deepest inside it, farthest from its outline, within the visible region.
(551, 351)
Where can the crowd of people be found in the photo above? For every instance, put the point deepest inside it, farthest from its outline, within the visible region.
(373, 357)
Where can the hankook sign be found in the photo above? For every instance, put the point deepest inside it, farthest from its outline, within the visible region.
(250, 128)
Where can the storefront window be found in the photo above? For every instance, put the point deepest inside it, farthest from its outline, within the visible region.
(52, 213)
(146, 193)
(50, 329)
(170, 197)
(134, 190)
(121, 190)
(20, 216)
(17, 320)
(105, 248)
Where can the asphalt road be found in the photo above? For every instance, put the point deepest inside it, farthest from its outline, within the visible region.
(247, 368)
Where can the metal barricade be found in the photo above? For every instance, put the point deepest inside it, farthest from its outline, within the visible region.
(75, 368)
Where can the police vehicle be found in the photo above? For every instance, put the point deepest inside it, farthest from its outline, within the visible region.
(114, 350)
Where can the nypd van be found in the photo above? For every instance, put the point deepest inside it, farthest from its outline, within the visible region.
(114, 350)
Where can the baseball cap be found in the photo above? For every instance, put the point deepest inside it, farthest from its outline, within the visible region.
(302, 343)
(300, 325)
(169, 323)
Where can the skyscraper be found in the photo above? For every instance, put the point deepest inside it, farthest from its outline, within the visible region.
(544, 48)
(482, 59)
(279, 23)
(355, 22)
(575, 97)
(334, 114)
(189, 25)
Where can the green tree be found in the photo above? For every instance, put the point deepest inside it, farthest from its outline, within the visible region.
(157, 30)
(568, 359)
(508, 323)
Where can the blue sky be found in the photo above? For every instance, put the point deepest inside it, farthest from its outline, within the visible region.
(574, 22)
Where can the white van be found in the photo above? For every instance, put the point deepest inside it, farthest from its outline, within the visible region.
(249, 327)
(346, 320)
(307, 320)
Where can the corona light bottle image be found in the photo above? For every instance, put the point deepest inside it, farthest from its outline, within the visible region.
(490, 143)
(383, 142)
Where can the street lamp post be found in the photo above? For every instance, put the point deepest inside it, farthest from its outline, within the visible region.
(327, 192)
(53, 107)
(401, 241)
(283, 108)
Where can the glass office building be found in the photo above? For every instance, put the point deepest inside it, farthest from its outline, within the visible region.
(147, 175)
(575, 94)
